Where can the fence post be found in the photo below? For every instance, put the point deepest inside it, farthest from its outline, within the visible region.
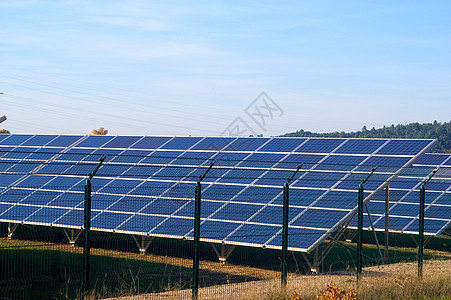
(421, 224)
(197, 202)
(87, 229)
(286, 198)
(360, 227)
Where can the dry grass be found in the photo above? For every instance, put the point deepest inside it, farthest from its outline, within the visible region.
(395, 281)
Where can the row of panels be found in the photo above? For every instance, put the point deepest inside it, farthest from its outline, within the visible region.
(273, 144)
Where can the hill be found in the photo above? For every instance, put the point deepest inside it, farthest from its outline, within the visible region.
(436, 130)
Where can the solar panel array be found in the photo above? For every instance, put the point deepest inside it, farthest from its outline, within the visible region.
(404, 198)
(146, 185)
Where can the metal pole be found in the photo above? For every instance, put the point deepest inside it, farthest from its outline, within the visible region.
(360, 227)
(286, 197)
(421, 224)
(286, 191)
(197, 203)
(87, 229)
(198, 191)
(360, 233)
(421, 232)
(387, 211)
(87, 226)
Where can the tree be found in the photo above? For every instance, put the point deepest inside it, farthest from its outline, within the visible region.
(100, 131)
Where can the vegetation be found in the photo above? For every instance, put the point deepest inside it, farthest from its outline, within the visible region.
(436, 130)
(100, 131)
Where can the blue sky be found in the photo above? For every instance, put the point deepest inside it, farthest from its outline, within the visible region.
(193, 67)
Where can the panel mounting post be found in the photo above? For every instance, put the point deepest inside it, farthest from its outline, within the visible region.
(87, 228)
(421, 224)
(197, 201)
(360, 226)
(11, 229)
(286, 198)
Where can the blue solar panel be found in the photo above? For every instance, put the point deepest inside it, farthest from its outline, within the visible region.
(63, 141)
(8, 179)
(340, 162)
(254, 234)
(232, 191)
(246, 144)
(207, 208)
(213, 143)
(282, 144)
(445, 198)
(162, 206)
(262, 160)
(405, 210)
(229, 159)
(161, 157)
(46, 215)
(298, 237)
(277, 177)
(69, 200)
(122, 142)
(254, 194)
(221, 192)
(236, 212)
(294, 160)
(151, 142)
(3, 136)
(404, 147)
(438, 212)
(319, 179)
(140, 223)
(243, 176)
(194, 158)
(320, 145)
(95, 141)
(430, 226)
(15, 139)
(431, 159)
(175, 227)
(39, 140)
(183, 143)
(319, 218)
(271, 215)
(107, 220)
(354, 146)
(18, 212)
(216, 230)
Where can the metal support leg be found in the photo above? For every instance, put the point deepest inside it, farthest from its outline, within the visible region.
(11, 229)
(143, 242)
(73, 235)
(224, 252)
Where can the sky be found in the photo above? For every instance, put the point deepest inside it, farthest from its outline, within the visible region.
(222, 67)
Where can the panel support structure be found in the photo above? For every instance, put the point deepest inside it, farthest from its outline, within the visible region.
(387, 213)
(73, 235)
(197, 202)
(360, 227)
(224, 252)
(286, 199)
(11, 229)
(87, 228)
(421, 225)
(143, 242)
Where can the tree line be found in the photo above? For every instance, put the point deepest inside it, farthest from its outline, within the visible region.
(435, 130)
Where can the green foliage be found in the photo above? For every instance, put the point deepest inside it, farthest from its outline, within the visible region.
(436, 130)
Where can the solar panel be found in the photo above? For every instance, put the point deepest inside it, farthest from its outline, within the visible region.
(404, 198)
(146, 184)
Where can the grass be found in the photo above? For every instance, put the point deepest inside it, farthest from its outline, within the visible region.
(52, 270)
